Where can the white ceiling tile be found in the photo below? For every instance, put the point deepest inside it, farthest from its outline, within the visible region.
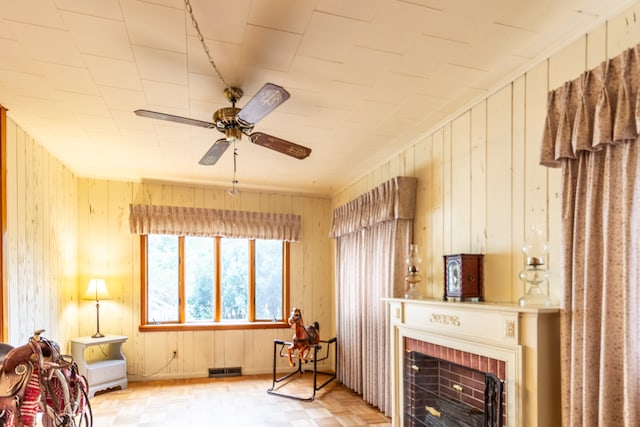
(389, 126)
(155, 26)
(113, 72)
(98, 36)
(344, 95)
(138, 137)
(37, 12)
(226, 57)
(393, 88)
(334, 45)
(395, 26)
(15, 62)
(81, 103)
(27, 86)
(284, 15)
(170, 133)
(69, 79)
(219, 21)
(104, 126)
(161, 65)
(176, 4)
(370, 113)
(415, 106)
(309, 74)
(43, 44)
(122, 99)
(269, 49)
(530, 16)
(365, 66)
(174, 99)
(206, 89)
(127, 120)
(109, 9)
(361, 10)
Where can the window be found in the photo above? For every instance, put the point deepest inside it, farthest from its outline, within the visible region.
(213, 282)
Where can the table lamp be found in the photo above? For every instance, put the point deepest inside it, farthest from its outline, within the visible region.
(97, 291)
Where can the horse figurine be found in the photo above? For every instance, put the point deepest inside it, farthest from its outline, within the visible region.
(304, 336)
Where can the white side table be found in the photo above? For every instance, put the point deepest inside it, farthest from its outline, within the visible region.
(107, 372)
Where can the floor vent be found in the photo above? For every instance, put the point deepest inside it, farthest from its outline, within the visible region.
(225, 372)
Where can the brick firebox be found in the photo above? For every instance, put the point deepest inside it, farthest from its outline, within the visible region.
(456, 375)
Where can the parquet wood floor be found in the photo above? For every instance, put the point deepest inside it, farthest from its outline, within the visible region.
(237, 401)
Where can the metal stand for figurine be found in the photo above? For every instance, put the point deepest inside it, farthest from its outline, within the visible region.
(282, 353)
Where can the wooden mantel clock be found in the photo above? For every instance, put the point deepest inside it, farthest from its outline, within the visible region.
(463, 277)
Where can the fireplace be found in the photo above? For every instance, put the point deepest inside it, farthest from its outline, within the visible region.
(446, 356)
(441, 388)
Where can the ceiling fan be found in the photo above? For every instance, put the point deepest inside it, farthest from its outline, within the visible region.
(234, 122)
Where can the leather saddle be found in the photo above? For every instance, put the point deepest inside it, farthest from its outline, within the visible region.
(15, 371)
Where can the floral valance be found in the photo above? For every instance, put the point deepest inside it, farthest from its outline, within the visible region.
(184, 221)
(600, 107)
(394, 199)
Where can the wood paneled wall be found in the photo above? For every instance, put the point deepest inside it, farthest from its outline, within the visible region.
(41, 242)
(480, 187)
(107, 249)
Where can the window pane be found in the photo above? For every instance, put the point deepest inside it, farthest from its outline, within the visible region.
(199, 278)
(234, 262)
(268, 268)
(162, 278)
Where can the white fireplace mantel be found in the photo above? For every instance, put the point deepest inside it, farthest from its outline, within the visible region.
(527, 339)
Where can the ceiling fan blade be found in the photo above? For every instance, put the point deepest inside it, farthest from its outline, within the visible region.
(265, 101)
(280, 145)
(215, 152)
(176, 119)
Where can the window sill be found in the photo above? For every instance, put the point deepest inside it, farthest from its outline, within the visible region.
(220, 326)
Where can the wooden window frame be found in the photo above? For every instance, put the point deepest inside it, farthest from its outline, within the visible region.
(250, 323)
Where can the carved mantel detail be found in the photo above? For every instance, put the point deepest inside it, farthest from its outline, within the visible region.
(509, 329)
(445, 319)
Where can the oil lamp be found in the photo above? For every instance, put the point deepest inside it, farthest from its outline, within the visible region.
(413, 276)
(535, 273)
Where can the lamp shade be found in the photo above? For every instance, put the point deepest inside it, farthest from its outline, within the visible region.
(97, 290)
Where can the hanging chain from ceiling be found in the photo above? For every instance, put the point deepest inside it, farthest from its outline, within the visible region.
(234, 191)
(204, 44)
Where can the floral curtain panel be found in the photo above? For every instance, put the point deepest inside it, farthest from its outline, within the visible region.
(184, 221)
(600, 108)
(372, 235)
(591, 131)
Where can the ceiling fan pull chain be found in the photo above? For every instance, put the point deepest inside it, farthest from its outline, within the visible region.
(235, 155)
(234, 191)
(204, 45)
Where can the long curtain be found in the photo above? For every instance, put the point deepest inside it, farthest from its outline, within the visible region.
(592, 133)
(373, 232)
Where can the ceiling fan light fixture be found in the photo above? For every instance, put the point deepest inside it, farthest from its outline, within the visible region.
(233, 134)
